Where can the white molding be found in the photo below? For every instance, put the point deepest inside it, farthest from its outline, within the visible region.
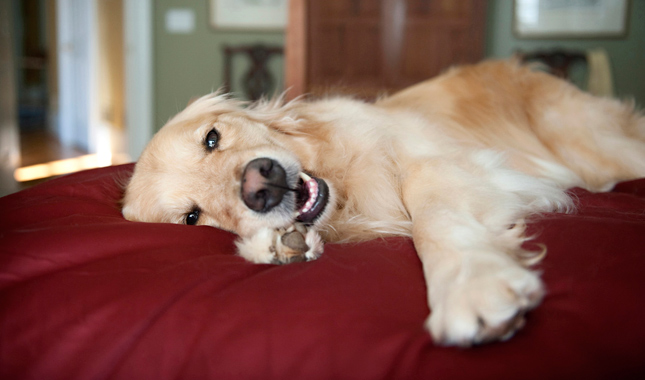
(138, 36)
(9, 134)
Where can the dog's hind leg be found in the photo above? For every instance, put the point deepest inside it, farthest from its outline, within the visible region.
(468, 232)
(602, 140)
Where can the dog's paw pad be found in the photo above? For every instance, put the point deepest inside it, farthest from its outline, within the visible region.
(298, 243)
(295, 241)
(281, 246)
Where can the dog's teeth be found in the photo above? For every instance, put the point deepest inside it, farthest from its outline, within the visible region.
(312, 188)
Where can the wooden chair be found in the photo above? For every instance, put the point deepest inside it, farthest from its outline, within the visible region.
(258, 80)
(558, 61)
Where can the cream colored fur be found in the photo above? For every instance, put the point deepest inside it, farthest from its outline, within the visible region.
(457, 163)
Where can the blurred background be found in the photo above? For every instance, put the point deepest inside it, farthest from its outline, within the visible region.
(85, 83)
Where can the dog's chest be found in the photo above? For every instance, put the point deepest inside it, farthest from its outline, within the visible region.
(364, 172)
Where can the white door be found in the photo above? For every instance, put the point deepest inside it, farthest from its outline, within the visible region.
(76, 73)
(84, 119)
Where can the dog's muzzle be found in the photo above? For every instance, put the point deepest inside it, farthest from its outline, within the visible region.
(264, 185)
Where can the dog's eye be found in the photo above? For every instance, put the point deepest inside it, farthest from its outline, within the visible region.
(192, 217)
(212, 140)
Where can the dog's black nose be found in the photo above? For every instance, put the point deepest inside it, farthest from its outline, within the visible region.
(264, 183)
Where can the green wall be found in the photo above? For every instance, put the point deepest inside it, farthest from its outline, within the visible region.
(627, 55)
(192, 65)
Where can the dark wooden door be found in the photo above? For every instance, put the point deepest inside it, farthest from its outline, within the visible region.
(370, 47)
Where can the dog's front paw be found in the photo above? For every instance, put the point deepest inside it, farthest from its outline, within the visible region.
(297, 243)
(484, 308)
(281, 246)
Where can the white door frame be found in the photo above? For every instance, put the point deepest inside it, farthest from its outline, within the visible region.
(9, 134)
(139, 99)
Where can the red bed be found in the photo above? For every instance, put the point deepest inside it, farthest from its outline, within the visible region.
(85, 294)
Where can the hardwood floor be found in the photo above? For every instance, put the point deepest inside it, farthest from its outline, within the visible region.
(37, 147)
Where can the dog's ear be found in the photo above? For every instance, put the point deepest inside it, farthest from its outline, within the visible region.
(286, 124)
(283, 123)
(276, 114)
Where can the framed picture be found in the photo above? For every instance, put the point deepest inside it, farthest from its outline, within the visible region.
(570, 18)
(248, 14)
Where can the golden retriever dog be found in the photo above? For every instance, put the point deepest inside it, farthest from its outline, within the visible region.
(458, 163)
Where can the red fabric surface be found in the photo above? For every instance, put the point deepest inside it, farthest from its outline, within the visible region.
(85, 294)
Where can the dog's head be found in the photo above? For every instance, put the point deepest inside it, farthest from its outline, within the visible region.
(217, 163)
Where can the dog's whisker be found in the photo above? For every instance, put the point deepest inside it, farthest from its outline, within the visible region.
(281, 187)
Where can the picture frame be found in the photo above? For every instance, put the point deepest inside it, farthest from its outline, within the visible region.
(248, 15)
(570, 18)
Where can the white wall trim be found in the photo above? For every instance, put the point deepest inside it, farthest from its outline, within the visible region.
(139, 116)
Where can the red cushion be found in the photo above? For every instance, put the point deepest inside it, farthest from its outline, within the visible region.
(86, 294)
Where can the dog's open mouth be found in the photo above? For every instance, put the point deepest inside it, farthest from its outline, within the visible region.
(311, 198)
